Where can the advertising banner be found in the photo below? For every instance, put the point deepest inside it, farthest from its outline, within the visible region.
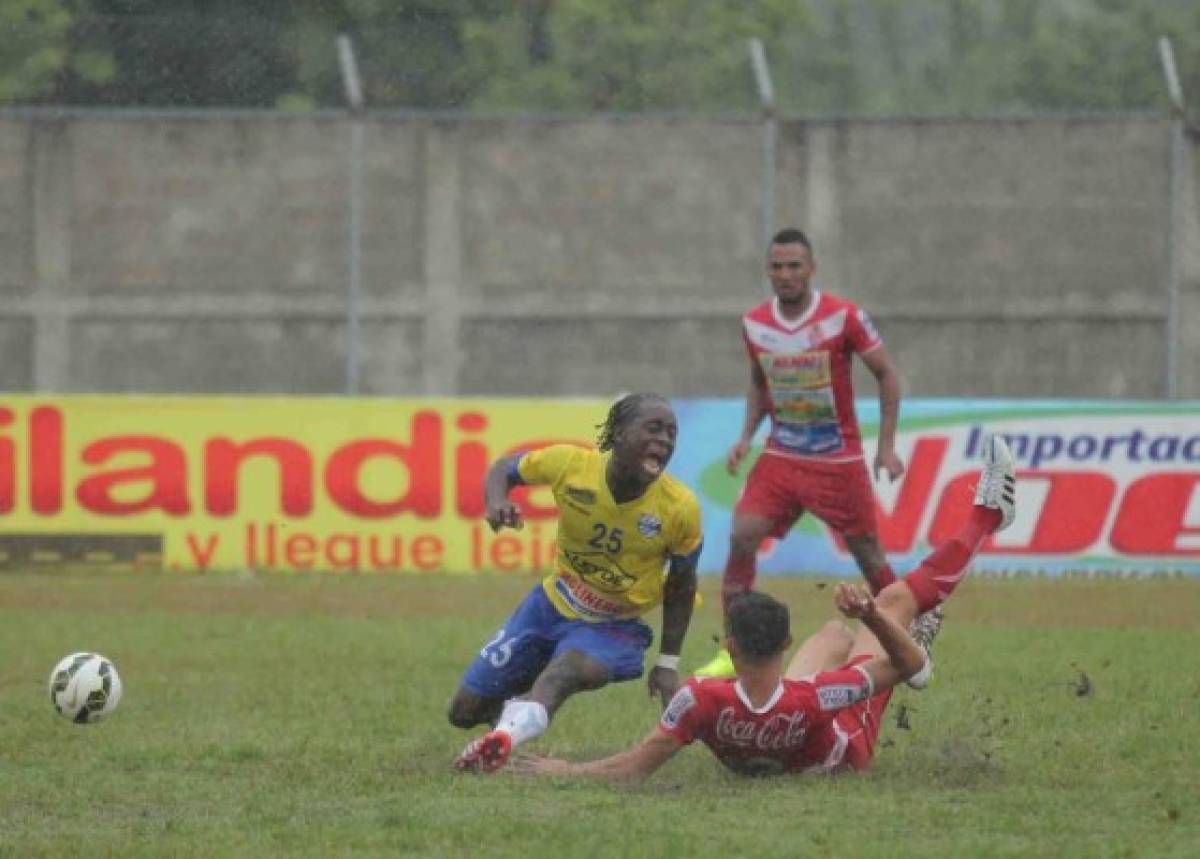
(1103, 486)
(199, 483)
(273, 483)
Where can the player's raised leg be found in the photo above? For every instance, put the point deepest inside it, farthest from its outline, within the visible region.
(878, 573)
(994, 510)
(997, 487)
(932, 583)
(824, 650)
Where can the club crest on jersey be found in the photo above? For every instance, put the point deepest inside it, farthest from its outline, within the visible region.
(649, 526)
(837, 697)
(581, 495)
(684, 700)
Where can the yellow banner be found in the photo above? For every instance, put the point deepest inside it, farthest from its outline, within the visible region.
(201, 483)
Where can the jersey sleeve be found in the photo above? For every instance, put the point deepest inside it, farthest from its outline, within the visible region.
(687, 535)
(841, 688)
(681, 719)
(545, 465)
(861, 331)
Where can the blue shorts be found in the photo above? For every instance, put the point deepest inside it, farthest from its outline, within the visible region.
(536, 633)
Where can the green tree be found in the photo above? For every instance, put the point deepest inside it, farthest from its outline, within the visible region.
(625, 55)
(849, 57)
(1108, 58)
(410, 54)
(181, 53)
(37, 54)
(978, 56)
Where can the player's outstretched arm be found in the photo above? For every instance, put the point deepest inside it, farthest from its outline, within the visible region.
(501, 512)
(902, 659)
(633, 764)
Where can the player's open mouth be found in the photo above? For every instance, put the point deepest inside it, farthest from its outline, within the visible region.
(654, 462)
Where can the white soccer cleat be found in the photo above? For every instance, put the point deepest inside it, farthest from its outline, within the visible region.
(997, 487)
(924, 629)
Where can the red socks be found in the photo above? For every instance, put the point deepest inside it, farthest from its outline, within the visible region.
(739, 576)
(884, 576)
(939, 574)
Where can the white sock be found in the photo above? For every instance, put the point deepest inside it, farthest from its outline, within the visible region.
(523, 720)
(921, 679)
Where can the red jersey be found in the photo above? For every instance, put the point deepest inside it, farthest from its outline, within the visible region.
(807, 365)
(824, 723)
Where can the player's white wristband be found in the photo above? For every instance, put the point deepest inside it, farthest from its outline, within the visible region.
(666, 661)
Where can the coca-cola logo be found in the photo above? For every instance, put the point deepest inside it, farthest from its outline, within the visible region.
(778, 731)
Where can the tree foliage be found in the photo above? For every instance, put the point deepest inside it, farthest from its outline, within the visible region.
(623, 54)
(35, 49)
(850, 57)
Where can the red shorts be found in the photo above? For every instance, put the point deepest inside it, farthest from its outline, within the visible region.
(781, 488)
(861, 724)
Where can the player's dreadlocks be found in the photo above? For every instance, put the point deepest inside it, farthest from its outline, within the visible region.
(621, 412)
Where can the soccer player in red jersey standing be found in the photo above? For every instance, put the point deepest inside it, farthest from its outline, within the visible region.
(824, 714)
(801, 344)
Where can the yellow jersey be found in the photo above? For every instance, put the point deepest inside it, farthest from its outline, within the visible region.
(611, 558)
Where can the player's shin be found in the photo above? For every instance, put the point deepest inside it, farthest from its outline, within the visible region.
(740, 572)
(939, 574)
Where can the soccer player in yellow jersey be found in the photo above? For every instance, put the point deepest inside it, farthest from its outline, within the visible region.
(622, 519)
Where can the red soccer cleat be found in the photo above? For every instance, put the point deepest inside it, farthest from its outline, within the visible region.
(485, 754)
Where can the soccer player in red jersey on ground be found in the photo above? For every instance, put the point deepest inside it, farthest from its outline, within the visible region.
(824, 714)
(801, 344)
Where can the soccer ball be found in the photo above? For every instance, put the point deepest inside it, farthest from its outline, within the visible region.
(85, 687)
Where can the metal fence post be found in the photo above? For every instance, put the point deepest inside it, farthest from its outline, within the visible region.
(766, 95)
(1175, 174)
(354, 98)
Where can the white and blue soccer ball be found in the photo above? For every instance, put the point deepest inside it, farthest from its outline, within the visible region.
(85, 687)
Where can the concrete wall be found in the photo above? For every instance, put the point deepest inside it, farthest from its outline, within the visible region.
(208, 253)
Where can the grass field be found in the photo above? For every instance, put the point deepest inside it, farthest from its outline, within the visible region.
(303, 715)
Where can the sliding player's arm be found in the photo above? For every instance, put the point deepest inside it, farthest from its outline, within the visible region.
(902, 659)
(633, 764)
